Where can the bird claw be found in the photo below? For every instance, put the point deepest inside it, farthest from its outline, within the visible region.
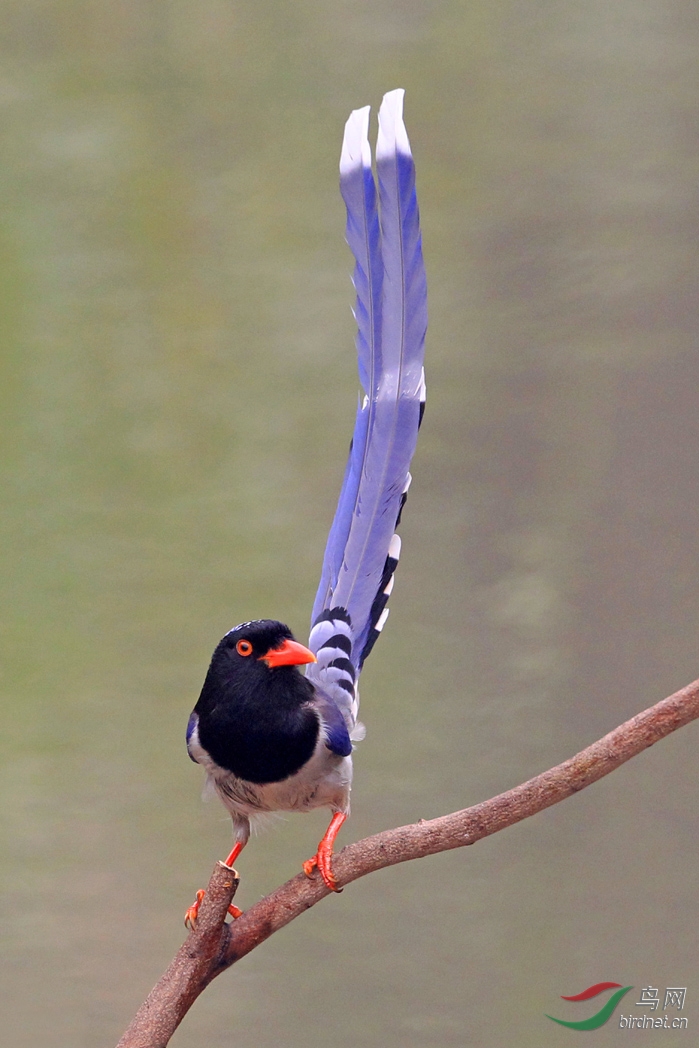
(192, 912)
(190, 917)
(310, 865)
(322, 861)
(323, 858)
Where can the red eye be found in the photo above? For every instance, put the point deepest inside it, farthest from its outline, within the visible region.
(244, 647)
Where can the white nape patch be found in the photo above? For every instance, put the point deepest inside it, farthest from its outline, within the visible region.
(394, 547)
(382, 620)
(423, 388)
(355, 143)
(389, 586)
(241, 625)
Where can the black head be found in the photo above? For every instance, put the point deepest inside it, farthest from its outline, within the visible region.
(263, 640)
(254, 712)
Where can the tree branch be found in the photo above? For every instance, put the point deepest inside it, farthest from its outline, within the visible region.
(189, 972)
(215, 946)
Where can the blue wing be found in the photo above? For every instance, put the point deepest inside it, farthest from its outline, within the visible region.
(391, 312)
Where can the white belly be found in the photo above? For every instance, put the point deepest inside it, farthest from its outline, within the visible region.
(323, 782)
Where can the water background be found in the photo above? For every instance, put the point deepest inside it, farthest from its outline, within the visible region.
(177, 391)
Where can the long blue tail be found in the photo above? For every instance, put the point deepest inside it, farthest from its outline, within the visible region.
(391, 312)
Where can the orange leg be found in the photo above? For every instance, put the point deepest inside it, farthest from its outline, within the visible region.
(190, 917)
(323, 858)
(237, 848)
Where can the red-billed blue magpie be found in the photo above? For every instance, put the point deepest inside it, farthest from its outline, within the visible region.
(269, 738)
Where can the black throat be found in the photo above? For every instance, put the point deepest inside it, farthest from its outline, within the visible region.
(256, 722)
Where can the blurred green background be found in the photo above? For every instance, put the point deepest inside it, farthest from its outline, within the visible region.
(178, 389)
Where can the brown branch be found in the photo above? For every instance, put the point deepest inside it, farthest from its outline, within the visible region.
(189, 971)
(214, 946)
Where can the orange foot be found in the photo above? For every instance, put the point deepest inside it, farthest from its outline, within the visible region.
(190, 917)
(323, 859)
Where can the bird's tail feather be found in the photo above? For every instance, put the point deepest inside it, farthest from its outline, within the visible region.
(391, 312)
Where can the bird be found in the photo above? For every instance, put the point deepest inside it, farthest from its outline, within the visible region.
(270, 737)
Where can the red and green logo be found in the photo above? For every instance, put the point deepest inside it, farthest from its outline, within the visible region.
(600, 1017)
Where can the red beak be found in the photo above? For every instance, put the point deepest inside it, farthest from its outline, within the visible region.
(291, 653)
